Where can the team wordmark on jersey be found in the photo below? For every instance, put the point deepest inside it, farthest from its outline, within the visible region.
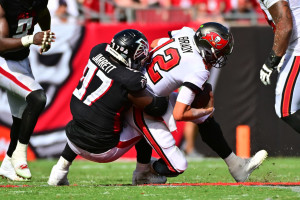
(185, 44)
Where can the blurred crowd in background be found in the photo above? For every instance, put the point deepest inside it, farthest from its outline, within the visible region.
(241, 12)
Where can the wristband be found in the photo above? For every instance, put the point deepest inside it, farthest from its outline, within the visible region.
(27, 40)
(272, 61)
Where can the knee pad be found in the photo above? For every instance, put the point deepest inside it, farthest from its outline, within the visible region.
(37, 99)
(293, 120)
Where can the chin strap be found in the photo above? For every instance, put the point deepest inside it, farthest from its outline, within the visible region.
(115, 54)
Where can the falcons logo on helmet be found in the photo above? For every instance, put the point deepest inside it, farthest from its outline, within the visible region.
(143, 49)
(215, 40)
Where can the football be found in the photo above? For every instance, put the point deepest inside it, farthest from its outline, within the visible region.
(201, 99)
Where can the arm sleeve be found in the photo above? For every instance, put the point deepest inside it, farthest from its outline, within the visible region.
(186, 95)
(192, 87)
(196, 80)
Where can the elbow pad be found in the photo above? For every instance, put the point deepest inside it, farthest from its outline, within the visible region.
(157, 107)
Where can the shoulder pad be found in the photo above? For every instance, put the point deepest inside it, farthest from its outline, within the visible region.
(136, 82)
(40, 4)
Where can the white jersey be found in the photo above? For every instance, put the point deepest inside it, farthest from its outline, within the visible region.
(176, 62)
(294, 44)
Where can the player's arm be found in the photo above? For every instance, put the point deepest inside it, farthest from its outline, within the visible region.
(138, 93)
(12, 44)
(184, 112)
(150, 103)
(281, 15)
(44, 19)
(6, 43)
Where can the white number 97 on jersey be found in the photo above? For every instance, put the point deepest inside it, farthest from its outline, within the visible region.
(88, 75)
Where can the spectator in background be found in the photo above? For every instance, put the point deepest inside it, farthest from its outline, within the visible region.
(241, 6)
(183, 3)
(210, 10)
(157, 3)
(92, 9)
(63, 8)
(190, 133)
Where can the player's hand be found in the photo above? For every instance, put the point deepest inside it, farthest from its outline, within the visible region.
(272, 62)
(265, 74)
(44, 39)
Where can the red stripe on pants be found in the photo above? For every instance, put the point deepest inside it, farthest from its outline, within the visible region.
(127, 143)
(138, 116)
(14, 79)
(286, 101)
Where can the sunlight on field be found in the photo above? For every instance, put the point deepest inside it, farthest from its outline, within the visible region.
(202, 180)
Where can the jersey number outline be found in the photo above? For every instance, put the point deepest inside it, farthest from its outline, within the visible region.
(163, 62)
(88, 74)
(24, 25)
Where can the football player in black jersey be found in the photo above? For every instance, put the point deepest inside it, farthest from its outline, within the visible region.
(110, 84)
(26, 97)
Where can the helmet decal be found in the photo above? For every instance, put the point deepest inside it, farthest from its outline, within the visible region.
(142, 49)
(215, 40)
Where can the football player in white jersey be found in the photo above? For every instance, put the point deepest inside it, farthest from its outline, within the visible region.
(184, 60)
(284, 17)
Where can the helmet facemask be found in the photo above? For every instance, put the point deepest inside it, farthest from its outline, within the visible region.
(141, 54)
(213, 58)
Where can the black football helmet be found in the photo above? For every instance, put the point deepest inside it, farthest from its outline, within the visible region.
(214, 42)
(131, 47)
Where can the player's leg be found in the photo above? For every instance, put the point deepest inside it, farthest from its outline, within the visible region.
(59, 172)
(172, 161)
(58, 176)
(26, 100)
(293, 120)
(6, 169)
(36, 101)
(239, 168)
(142, 173)
(287, 103)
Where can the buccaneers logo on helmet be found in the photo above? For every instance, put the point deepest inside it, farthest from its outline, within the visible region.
(215, 40)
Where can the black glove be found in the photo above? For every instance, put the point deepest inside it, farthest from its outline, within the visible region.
(270, 64)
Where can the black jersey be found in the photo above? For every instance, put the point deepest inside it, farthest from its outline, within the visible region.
(21, 22)
(99, 100)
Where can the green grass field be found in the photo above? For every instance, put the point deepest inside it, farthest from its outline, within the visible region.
(112, 181)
